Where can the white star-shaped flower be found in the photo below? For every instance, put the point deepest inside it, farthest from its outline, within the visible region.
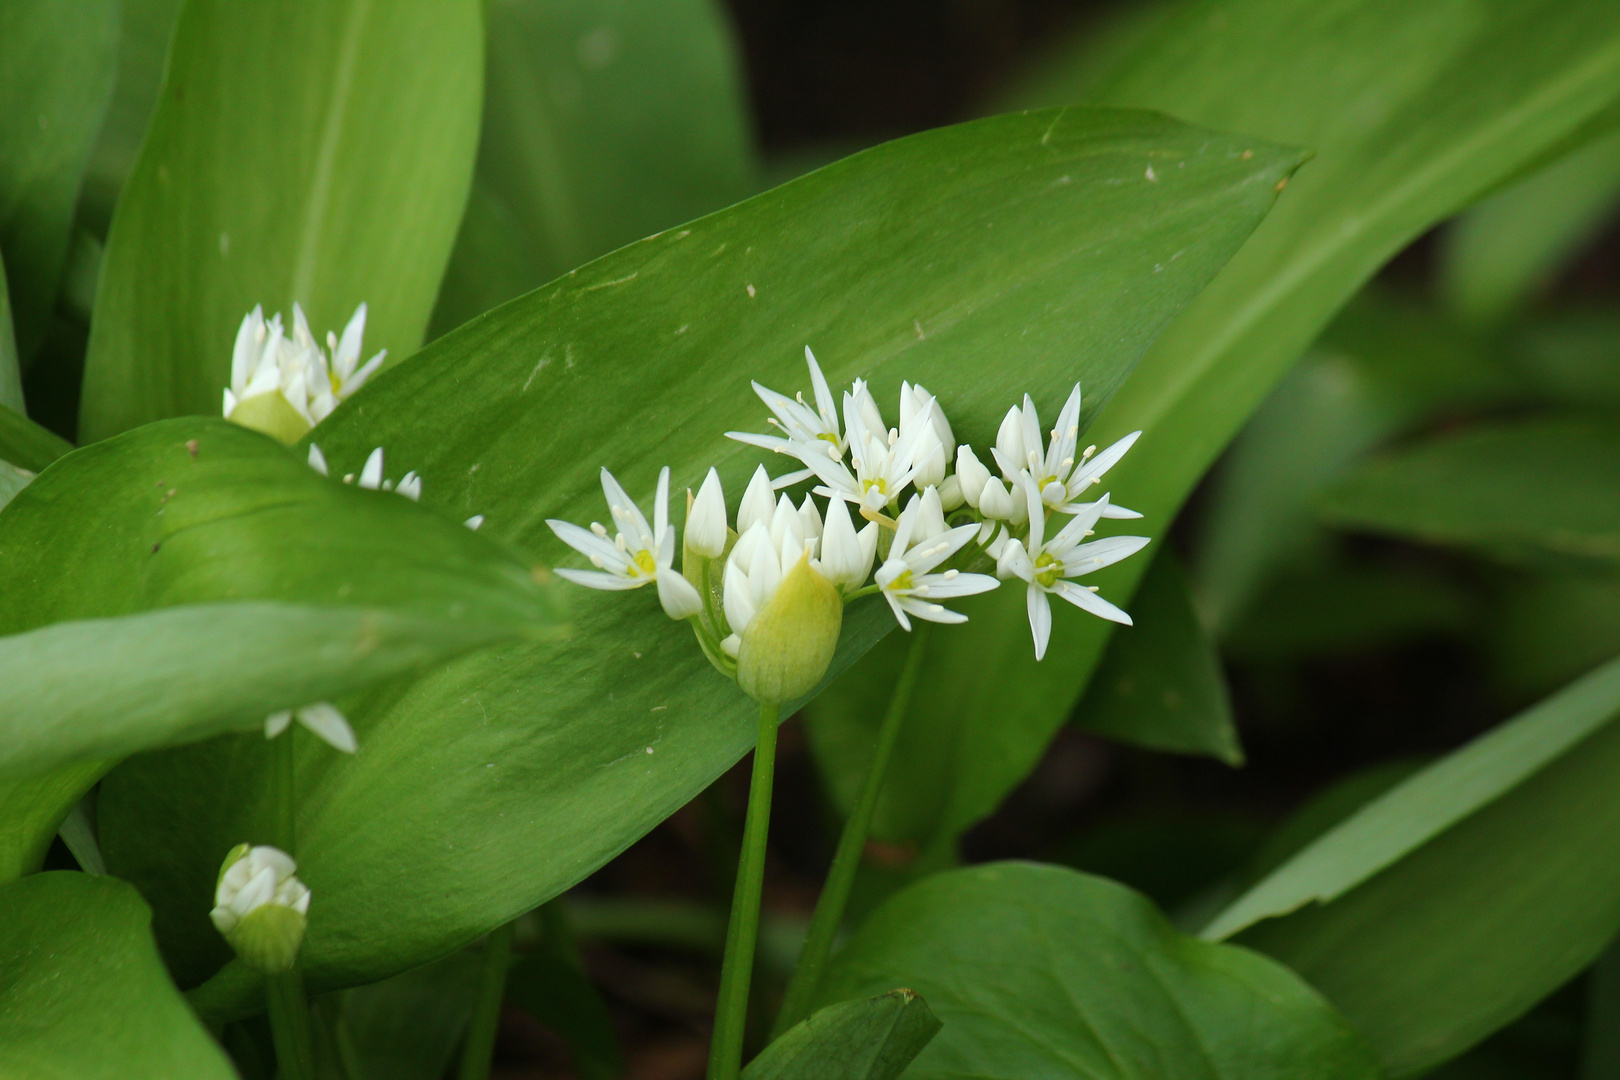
(1060, 475)
(906, 579)
(1047, 566)
(805, 430)
(286, 385)
(636, 555)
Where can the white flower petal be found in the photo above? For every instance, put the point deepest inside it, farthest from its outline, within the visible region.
(1040, 618)
(324, 720)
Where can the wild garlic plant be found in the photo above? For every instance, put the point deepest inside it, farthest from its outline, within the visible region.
(765, 589)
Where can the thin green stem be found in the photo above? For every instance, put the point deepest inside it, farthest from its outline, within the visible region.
(286, 781)
(829, 916)
(736, 971)
(479, 1048)
(289, 1025)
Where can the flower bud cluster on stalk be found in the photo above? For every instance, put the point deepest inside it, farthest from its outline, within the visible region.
(260, 906)
(909, 515)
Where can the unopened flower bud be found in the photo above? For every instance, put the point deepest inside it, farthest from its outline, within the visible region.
(972, 474)
(758, 502)
(950, 493)
(1010, 450)
(706, 522)
(995, 501)
(788, 644)
(260, 907)
(846, 556)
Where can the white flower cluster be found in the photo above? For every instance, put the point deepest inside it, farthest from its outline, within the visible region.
(285, 385)
(260, 906)
(924, 526)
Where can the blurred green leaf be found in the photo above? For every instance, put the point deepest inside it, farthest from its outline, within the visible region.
(1452, 99)
(12, 480)
(1546, 629)
(1160, 683)
(1600, 1057)
(557, 993)
(515, 774)
(137, 572)
(870, 1039)
(406, 1027)
(57, 60)
(1495, 258)
(335, 174)
(144, 30)
(11, 400)
(1449, 906)
(1039, 971)
(1542, 487)
(1325, 810)
(26, 444)
(603, 123)
(83, 993)
(1570, 358)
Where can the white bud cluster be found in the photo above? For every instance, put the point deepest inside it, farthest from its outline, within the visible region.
(285, 384)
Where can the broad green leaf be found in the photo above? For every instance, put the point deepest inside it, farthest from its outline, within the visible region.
(334, 175)
(985, 259)
(1452, 904)
(555, 991)
(1496, 257)
(871, 1039)
(1524, 489)
(144, 30)
(1160, 685)
(603, 123)
(57, 59)
(193, 576)
(1453, 98)
(12, 480)
(1039, 971)
(406, 1027)
(83, 993)
(26, 444)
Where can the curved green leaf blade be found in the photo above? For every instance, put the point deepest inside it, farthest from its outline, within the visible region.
(985, 259)
(871, 1039)
(1539, 487)
(1496, 257)
(192, 576)
(1040, 971)
(83, 992)
(1516, 830)
(335, 174)
(11, 399)
(1457, 97)
(57, 60)
(26, 444)
(602, 124)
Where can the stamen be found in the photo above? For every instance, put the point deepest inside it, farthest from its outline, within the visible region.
(950, 575)
(596, 527)
(1092, 449)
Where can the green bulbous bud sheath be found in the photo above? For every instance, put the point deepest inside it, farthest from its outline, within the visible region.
(789, 643)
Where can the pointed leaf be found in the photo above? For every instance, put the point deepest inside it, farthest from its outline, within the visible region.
(870, 1039)
(1023, 252)
(83, 992)
(26, 444)
(333, 175)
(1040, 971)
(57, 61)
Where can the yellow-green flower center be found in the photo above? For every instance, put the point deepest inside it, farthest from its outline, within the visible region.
(643, 565)
(881, 484)
(902, 582)
(1047, 569)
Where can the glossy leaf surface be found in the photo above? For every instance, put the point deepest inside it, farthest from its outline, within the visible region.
(871, 1039)
(1534, 488)
(1039, 971)
(602, 123)
(83, 992)
(57, 59)
(332, 176)
(1453, 99)
(1031, 239)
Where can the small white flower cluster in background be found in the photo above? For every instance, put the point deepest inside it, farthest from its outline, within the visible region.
(925, 527)
(285, 385)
